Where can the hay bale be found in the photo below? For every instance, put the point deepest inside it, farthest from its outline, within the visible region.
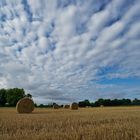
(56, 106)
(66, 106)
(74, 106)
(25, 105)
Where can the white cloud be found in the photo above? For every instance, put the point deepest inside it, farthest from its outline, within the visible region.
(51, 46)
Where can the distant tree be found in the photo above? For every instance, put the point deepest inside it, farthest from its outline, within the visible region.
(87, 103)
(35, 104)
(84, 103)
(14, 95)
(29, 95)
(41, 105)
(92, 104)
(2, 97)
(99, 102)
(106, 102)
(114, 102)
(126, 102)
(136, 102)
(50, 105)
(61, 106)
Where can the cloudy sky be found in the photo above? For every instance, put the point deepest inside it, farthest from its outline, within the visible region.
(69, 50)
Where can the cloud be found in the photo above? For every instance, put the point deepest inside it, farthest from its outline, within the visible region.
(60, 50)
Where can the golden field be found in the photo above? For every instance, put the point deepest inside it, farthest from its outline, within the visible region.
(104, 123)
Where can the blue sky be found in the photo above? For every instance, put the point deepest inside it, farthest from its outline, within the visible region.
(69, 50)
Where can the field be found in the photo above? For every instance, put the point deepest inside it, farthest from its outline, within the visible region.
(104, 123)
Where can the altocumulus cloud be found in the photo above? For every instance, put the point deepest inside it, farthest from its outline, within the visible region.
(69, 50)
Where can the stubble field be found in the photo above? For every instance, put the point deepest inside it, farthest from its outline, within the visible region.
(106, 123)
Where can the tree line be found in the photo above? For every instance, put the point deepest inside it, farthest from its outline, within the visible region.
(109, 102)
(10, 97)
(99, 103)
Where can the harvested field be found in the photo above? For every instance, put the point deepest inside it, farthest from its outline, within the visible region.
(107, 123)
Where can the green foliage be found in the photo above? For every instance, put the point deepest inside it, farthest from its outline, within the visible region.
(45, 106)
(29, 95)
(109, 102)
(10, 97)
(100, 102)
(2, 97)
(84, 103)
(14, 95)
(136, 102)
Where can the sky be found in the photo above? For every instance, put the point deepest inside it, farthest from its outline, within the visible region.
(70, 50)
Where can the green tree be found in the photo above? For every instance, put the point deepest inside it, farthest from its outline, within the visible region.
(99, 102)
(29, 95)
(136, 102)
(14, 95)
(2, 97)
(84, 103)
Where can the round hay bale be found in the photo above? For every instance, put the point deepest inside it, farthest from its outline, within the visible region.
(25, 105)
(74, 106)
(66, 106)
(56, 106)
